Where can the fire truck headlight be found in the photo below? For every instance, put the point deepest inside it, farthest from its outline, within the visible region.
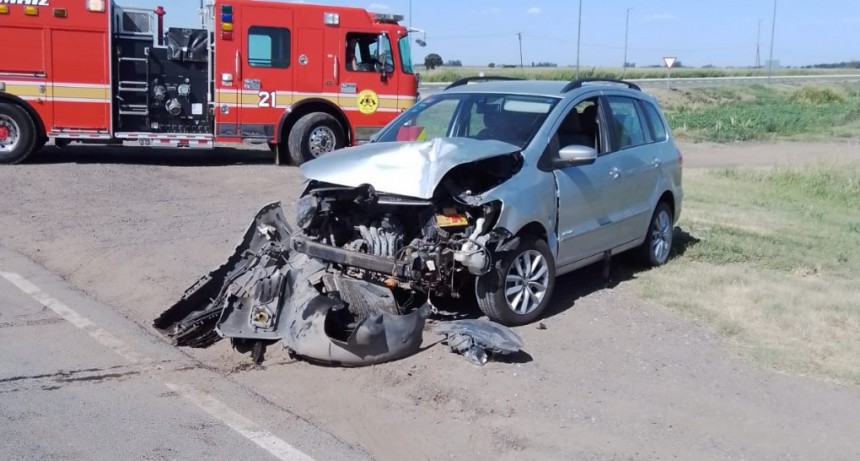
(159, 93)
(184, 90)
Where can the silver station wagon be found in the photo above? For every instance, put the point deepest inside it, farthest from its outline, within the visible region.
(489, 189)
(521, 181)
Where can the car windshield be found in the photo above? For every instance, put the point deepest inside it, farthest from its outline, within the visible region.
(514, 119)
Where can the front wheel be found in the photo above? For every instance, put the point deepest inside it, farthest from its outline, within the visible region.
(17, 134)
(315, 134)
(657, 246)
(518, 290)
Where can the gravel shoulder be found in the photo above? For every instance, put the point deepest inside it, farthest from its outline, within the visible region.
(611, 376)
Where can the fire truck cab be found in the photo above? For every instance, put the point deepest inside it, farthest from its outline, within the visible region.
(305, 79)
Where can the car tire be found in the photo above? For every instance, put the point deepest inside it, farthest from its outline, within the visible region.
(502, 294)
(657, 247)
(18, 133)
(313, 135)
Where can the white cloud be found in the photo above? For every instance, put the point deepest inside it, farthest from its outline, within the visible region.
(661, 17)
(851, 20)
(491, 11)
(378, 7)
(533, 10)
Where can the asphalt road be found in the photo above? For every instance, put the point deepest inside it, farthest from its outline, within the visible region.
(79, 381)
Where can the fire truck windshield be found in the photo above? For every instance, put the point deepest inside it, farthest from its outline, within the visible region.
(405, 54)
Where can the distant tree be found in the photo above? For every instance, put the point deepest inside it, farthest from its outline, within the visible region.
(433, 61)
(545, 64)
(630, 64)
(709, 66)
(492, 65)
(454, 63)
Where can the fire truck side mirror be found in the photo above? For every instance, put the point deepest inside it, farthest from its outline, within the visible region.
(381, 47)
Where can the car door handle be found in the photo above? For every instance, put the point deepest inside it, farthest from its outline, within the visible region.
(615, 173)
(656, 162)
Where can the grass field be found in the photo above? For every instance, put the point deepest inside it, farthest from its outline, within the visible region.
(449, 74)
(771, 257)
(747, 113)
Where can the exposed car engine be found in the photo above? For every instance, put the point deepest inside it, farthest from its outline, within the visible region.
(433, 246)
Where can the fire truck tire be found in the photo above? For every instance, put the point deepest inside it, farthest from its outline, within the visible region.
(313, 135)
(17, 133)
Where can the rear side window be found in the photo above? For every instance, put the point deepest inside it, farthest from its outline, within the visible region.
(269, 47)
(655, 122)
(625, 124)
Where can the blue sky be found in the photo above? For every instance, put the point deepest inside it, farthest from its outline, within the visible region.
(698, 32)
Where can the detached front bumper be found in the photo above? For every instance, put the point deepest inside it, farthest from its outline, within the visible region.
(267, 292)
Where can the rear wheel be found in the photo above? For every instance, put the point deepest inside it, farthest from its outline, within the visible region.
(518, 290)
(315, 134)
(657, 246)
(17, 134)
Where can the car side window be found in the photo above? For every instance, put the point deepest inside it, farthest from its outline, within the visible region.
(580, 127)
(655, 122)
(625, 123)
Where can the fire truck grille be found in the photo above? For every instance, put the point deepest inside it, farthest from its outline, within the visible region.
(136, 22)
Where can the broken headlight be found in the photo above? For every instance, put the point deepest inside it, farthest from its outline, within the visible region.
(306, 208)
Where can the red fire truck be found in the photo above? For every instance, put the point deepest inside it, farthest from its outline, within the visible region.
(306, 79)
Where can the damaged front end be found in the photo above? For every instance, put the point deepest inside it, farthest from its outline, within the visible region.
(352, 284)
(265, 293)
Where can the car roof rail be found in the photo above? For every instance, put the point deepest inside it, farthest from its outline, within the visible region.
(467, 80)
(574, 84)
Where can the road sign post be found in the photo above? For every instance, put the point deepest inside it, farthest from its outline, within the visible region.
(669, 61)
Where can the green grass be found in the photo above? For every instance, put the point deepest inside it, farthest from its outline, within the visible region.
(449, 74)
(757, 113)
(771, 260)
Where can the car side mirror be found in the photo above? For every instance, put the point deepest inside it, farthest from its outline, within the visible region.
(576, 155)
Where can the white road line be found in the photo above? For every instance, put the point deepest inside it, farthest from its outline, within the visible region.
(103, 337)
(277, 447)
(250, 430)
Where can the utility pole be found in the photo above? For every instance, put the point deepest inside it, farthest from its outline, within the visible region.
(772, 34)
(520, 37)
(626, 30)
(758, 46)
(578, 38)
(410, 14)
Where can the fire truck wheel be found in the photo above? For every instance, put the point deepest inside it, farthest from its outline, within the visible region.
(17, 134)
(313, 135)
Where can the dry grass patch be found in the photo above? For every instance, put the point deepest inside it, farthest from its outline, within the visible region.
(773, 263)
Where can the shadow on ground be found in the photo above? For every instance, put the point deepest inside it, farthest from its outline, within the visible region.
(573, 286)
(624, 267)
(220, 156)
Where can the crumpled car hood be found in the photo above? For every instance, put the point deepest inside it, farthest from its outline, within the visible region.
(412, 169)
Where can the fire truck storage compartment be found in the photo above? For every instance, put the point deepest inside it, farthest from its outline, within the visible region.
(162, 89)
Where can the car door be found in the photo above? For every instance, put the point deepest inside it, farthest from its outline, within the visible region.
(638, 164)
(587, 195)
